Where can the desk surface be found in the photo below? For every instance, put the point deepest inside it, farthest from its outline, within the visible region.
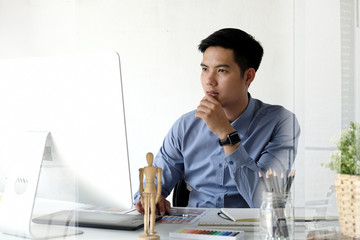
(324, 230)
(310, 230)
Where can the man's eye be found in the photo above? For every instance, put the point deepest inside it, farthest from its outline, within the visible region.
(222, 70)
(204, 69)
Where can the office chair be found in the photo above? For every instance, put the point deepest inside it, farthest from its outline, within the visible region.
(180, 194)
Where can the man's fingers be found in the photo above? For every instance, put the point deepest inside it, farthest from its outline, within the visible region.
(139, 207)
(167, 206)
(161, 206)
(207, 105)
(205, 110)
(211, 99)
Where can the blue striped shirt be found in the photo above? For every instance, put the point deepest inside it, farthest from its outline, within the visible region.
(269, 136)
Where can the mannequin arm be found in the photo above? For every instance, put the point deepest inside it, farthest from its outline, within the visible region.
(141, 177)
(158, 185)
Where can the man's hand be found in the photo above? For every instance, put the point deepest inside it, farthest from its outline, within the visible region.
(139, 207)
(162, 206)
(212, 113)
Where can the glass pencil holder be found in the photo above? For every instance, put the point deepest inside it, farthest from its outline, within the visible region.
(276, 216)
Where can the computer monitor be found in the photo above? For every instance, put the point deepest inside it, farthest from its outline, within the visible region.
(79, 100)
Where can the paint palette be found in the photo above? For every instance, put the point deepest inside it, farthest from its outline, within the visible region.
(207, 234)
(182, 216)
(177, 219)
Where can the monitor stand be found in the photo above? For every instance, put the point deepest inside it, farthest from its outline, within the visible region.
(17, 203)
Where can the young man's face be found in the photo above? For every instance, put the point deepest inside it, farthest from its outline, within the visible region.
(221, 78)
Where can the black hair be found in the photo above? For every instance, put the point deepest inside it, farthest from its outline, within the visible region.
(247, 51)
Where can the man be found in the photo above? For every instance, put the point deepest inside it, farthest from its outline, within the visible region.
(221, 146)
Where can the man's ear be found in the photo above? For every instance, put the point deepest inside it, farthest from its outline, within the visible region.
(249, 76)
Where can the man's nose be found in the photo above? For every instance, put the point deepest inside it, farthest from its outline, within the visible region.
(211, 79)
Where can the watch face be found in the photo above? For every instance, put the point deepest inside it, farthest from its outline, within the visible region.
(234, 138)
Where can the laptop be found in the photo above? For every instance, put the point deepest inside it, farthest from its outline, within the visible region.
(94, 219)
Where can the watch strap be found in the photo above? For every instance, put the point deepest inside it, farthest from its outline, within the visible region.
(232, 139)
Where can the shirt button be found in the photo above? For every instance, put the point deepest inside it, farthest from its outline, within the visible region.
(220, 165)
(219, 199)
(231, 162)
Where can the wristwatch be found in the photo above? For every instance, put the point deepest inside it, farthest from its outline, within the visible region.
(232, 139)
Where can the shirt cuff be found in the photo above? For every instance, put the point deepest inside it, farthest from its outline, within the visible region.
(238, 158)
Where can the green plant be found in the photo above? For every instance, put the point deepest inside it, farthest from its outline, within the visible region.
(346, 159)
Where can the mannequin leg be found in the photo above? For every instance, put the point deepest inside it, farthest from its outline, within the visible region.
(149, 204)
(153, 213)
(146, 216)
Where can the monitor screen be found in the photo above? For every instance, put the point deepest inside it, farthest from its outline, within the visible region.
(79, 100)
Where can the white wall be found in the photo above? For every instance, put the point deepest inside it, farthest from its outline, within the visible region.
(158, 39)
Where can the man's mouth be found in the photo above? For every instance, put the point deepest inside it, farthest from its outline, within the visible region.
(212, 93)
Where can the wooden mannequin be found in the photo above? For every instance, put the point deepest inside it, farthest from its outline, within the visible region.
(149, 196)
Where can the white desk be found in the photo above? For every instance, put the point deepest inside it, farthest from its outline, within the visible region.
(104, 234)
(162, 229)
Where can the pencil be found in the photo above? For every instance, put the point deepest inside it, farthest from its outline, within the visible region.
(282, 182)
(276, 182)
(289, 181)
(263, 182)
(270, 180)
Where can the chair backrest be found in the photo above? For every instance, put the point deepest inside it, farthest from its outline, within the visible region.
(180, 194)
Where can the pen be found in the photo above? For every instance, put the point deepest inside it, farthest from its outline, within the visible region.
(180, 215)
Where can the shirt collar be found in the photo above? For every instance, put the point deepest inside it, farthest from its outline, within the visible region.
(242, 122)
